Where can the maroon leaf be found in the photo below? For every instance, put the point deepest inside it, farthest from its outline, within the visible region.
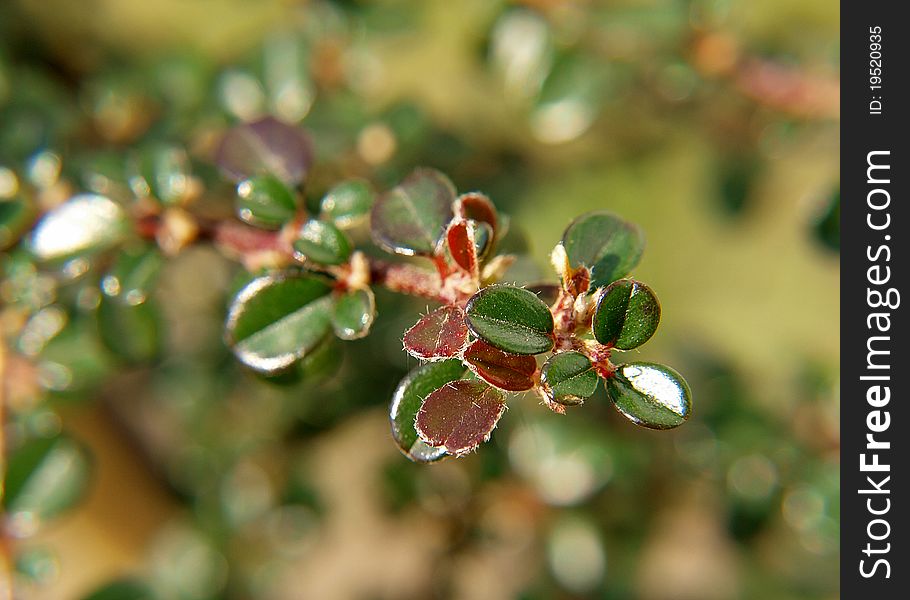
(460, 237)
(512, 372)
(460, 416)
(266, 146)
(440, 334)
(477, 206)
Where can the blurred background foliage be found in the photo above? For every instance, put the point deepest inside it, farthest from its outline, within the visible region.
(711, 123)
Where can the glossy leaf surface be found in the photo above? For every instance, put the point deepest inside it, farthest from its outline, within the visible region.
(440, 334)
(411, 218)
(409, 397)
(353, 314)
(460, 416)
(276, 319)
(568, 378)
(626, 315)
(265, 201)
(347, 203)
(266, 146)
(512, 319)
(82, 225)
(322, 242)
(650, 395)
(511, 372)
(605, 243)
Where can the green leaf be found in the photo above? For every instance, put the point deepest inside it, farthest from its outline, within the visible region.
(606, 244)
(650, 395)
(83, 225)
(121, 589)
(129, 321)
(353, 314)
(347, 203)
(511, 372)
(322, 242)
(162, 172)
(411, 218)
(409, 397)
(626, 315)
(46, 476)
(16, 215)
(277, 319)
(265, 201)
(512, 319)
(568, 378)
(132, 332)
(460, 416)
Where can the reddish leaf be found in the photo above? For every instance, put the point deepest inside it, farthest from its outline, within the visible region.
(460, 237)
(476, 206)
(460, 416)
(440, 334)
(512, 372)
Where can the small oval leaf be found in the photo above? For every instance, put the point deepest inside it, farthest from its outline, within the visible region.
(512, 319)
(626, 315)
(353, 314)
(650, 395)
(411, 218)
(83, 225)
(322, 242)
(511, 372)
(460, 416)
(409, 397)
(347, 203)
(276, 319)
(568, 378)
(478, 207)
(265, 201)
(605, 243)
(460, 240)
(45, 476)
(441, 334)
(266, 146)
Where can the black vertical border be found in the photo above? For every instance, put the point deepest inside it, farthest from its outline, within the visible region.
(861, 133)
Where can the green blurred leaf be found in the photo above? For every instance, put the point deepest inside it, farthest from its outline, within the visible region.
(160, 171)
(626, 315)
(568, 378)
(16, 215)
(650, 395)
(45, 476)
(322, 242)
(121, 589)
(411, 218)
(605, 243)
(511, 372)
(347, 203)
(409, 397)
(132, 332)
(83, 225)
(265, 201)
(512, 319)
(353, 314)
(827, 223)
(277, 319)
(460, 416)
